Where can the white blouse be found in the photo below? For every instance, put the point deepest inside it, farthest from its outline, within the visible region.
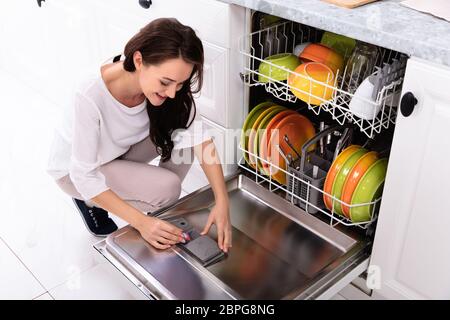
(96, 129)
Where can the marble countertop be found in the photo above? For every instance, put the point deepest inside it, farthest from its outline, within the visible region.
(385, 23)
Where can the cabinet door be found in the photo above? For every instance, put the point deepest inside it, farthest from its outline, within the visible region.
(212, 101)
(411, 252)
(225, 141)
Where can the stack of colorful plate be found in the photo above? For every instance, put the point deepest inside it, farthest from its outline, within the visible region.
(248, 124)
(356, 177)
(257, 130)
(268, 129)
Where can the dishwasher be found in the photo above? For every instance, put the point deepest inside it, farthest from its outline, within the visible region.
(286, 243)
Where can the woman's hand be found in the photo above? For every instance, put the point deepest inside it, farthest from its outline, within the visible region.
(159, 233)
(220, 216)
(206, 153)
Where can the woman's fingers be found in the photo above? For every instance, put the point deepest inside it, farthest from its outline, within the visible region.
(224, 237)
(220, 237)
(164, 240)
(208, 225)
(158, 245)
(159, 233)
(227, 238)
(170, 236)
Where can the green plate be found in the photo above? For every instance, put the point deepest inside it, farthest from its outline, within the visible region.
(261, 130)
(254, 129)
(248, 123)
(369, 188)
(339, 181)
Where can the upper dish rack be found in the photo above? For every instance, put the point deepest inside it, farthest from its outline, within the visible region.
(284, 37)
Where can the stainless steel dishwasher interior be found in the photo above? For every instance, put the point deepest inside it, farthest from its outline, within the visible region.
(278, 251)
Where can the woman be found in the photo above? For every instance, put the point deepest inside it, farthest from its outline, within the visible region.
(134, 110)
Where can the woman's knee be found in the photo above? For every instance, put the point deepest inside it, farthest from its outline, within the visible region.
(142, 182)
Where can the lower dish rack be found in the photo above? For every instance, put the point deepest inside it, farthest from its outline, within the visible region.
(303, 192)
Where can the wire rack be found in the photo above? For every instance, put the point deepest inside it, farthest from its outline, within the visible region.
(282, 38)
(295, 199)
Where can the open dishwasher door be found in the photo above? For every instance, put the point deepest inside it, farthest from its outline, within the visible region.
(279, 251)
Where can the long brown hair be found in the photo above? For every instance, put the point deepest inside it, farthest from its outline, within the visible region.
(161, 40)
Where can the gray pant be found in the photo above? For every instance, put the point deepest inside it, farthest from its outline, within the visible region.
(144, 186)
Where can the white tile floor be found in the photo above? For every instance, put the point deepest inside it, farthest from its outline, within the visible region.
(45, 250)
(17, 281)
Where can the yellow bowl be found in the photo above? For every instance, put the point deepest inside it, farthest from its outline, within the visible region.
(309, 85)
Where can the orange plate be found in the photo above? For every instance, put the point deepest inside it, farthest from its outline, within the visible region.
(299, 130)
(253, 132)
(353, 178)
(264, 138)
(260, 131)
(335, 167)
(339, 181)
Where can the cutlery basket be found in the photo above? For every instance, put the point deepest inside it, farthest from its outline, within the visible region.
(301, 181)
(307, 174)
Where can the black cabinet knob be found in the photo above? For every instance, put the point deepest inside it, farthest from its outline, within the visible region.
(407, 104)
(145, 3)
(39, 2)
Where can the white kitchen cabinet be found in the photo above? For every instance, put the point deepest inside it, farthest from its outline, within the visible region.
(225, 142)
(411, 252)
(212, 101)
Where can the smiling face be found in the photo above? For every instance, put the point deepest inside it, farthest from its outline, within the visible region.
(158, 82)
